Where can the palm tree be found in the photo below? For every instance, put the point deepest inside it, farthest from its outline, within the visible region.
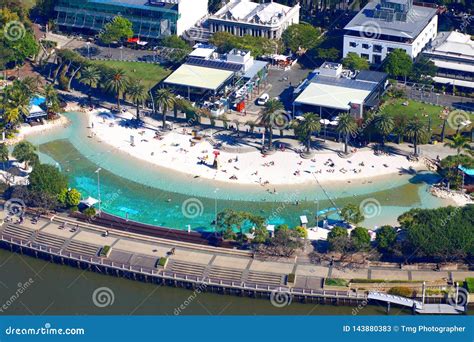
(117, 83)
(346, 126)
(384, 125)
(30, 85)
(305, 127)
(11, 116)
(19, 96)
(164, 100)
(268, 116)
(416, 132)
(400, 122)
(90, 76)
(51, 99)
(459, 143)
(138, 94)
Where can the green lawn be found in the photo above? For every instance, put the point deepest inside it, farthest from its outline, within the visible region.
(29, 3)
(149, 74)
(423, 110)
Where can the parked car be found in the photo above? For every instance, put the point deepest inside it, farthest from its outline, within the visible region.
(263, 99)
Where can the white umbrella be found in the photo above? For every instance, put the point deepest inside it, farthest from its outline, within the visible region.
(325, 121)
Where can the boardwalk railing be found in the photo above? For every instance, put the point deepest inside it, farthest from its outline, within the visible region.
(172, 276)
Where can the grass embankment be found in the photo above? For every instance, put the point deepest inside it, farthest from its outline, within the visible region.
(148, 74)
(422, 110)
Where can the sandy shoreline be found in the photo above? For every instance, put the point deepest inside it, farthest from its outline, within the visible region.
(26, 129)
(175, 151)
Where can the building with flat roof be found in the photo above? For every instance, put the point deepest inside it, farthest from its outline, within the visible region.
(244, 17)
(207, 74)
(151, 19)
(330, 90)
(384, 25)
(453, 54)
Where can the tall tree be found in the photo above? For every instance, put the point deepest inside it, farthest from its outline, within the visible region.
(384, 125)
(90, 76)
(346, 126)
(459, 143)
(117, 29)
(305, 127)
(164, 100)
(117, 83)
(301, 37)
(416, 131)
(4, 154)
(269, 116)
(138, 94)
(51, 99)
(398, 64)
(25, 152)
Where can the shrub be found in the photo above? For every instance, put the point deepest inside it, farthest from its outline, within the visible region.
(400, 291)
(470, 285)
(90, 212)
(335, 282)
(104, 251)
(291, 278)
(162, 261)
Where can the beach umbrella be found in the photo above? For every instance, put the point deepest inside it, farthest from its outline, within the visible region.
(89, 201)
(325, 121)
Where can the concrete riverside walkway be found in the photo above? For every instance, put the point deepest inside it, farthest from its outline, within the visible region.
(217, 264)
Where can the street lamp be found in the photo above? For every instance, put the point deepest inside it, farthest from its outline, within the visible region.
(98, 186)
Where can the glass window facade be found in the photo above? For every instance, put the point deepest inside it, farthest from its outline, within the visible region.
(149, 21)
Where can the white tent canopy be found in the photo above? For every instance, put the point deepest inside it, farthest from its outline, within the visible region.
(89, 201)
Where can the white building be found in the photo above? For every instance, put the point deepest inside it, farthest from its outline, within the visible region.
(243, 17)
(384, 25)
(453, 54)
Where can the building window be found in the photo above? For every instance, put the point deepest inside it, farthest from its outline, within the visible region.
(378, 48)
(365, 46)
(390, 49)
(377, 59)
(364, 55)
(352, 44)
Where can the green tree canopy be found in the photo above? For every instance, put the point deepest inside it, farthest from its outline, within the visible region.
(386, 238)
(338, 240)
(443, 233)
(354, 62)
(25, 152)
(360, 238)
(119, 28)
(352, 213)
(398, 63)
(301, 36)
(47, 179)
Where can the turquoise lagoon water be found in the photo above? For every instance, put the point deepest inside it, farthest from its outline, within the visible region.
(149, 194)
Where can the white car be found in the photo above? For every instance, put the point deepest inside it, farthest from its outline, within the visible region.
(263, 99)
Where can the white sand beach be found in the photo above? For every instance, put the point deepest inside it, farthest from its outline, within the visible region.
(26, 129)
(176, 151)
